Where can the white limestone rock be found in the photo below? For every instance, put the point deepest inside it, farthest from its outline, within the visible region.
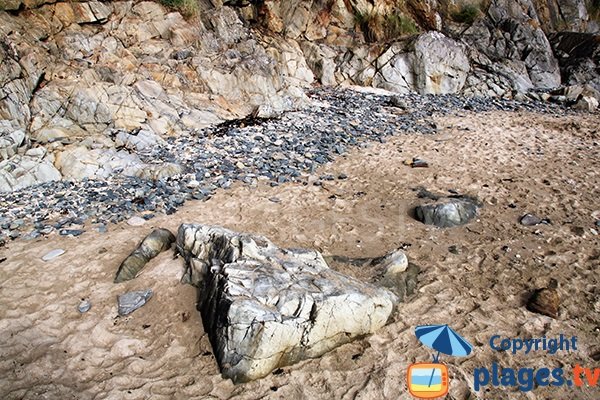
(264, 307)
(441, 64)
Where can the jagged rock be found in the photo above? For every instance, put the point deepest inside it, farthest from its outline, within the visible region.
(564, 15)
(141, 140)
(152, 245)
(441, 65)
(447, 213)
(159, 171)
(131, 301)
(91, 12)
(11, 140)
(394, 263)
(587, 103)
(579, 58)
(396, 70)
(321, 59)
(264, 307)
(21, 171)
(511, 31)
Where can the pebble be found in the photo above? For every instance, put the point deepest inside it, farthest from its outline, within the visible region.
(84, 306)
(72, 232)
(51, 255)
(545, 301)
(136, 221)
(530, 220)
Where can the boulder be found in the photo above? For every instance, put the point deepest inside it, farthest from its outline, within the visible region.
(579, 57)
(587, 103)
(396, 70)
(441, 64)
(265, 307)
(138, 141)
(79, 162)
(447, 213)
(21, 171)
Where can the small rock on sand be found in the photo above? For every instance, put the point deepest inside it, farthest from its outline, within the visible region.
(131, 301)
(545, 301)
(136, 221)
(84, 306)
(152, 245)
(530, 220)
(394, 263)
(51, 255)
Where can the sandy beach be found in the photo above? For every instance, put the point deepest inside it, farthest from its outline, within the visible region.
(513, 162)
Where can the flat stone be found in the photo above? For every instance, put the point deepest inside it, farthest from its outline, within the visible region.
(264, 307)
(71, 232)
(131, 301)
(136, 221)
(530, 220)
(51, 255)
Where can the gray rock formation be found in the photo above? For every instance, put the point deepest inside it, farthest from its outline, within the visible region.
(579, 57)
(447, 213)
(152, 245)
(264, 307)
(513, 46)
(21, 171)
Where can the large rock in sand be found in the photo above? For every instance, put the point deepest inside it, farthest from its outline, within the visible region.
(447, 213)
(264, 307)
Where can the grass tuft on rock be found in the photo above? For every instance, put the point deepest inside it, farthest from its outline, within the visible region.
(378, 27)
(187, 8)
(594, 10)
(466, 14)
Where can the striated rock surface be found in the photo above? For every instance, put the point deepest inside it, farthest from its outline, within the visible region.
(99, 83)
(441, 64)
(264, 307)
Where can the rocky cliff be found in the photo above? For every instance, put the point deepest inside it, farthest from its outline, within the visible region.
(87, 87)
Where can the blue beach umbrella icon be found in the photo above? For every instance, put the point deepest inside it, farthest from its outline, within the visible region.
(443, 339)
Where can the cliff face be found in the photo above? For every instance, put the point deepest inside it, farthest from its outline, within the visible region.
(83, 85)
